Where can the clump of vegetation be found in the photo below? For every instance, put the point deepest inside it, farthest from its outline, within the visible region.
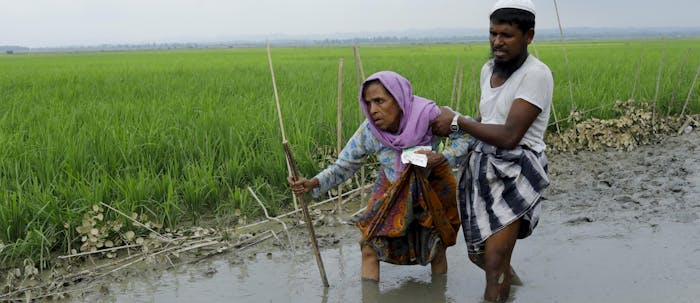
(634, 126)
(97, 233)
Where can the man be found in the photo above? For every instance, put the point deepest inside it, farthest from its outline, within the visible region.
(505, 171)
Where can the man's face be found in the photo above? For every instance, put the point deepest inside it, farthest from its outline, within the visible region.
(508, 42)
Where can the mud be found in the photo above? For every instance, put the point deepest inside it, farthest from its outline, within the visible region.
(615, 227)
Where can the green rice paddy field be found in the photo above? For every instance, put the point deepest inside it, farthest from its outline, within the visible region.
(179, 135)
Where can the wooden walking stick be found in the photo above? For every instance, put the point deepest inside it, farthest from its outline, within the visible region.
(295, 176)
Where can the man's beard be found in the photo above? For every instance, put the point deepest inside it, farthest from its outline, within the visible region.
(506, 68)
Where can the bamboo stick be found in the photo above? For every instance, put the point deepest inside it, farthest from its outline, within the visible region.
(346, 195)
(636, 74)
(566, 60)
(279, 115)
(257, 241)
(656, 92)
(359, 211)
(162, 238)
(307, 216)
(675, 87)
(360, 76)
(690, 91)
(534, 47)
(459, 88)
(476, 77)
(272, 218)
(454, 84)
(295, 176)
(340, 128)
(294, 197)
(554, 111)
(358, 62)
(110, 249)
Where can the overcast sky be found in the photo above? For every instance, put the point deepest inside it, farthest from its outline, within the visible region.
(44, 23)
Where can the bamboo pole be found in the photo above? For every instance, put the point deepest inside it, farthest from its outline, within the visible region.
(267, 215)
(566, 60)
(159, 236)
(295, 176)
(454, 84)
(459, 88)
(279, 116)
(554, 111)
(581, 113)
(678, 84)
(360, 76)
(636, 74)
(340, 128)
(476, 77)
(690, 91)
(534, 47)
(656, 92)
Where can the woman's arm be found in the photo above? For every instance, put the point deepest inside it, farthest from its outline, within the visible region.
(361, 144)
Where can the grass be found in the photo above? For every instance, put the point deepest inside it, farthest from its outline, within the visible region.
(179, 135)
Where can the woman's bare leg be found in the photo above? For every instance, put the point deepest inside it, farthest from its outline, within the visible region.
(439, 263)
(370, 263)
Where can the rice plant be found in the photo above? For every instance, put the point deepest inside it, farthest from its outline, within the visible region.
(179, 135)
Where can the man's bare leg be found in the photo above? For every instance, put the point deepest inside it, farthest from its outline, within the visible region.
(499, 248)
(478, 259)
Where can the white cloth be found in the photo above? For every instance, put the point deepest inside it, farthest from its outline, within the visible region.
(409, 155)
(525, 5)
(533, 83)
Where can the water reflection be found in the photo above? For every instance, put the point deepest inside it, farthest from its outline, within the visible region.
(408, 291)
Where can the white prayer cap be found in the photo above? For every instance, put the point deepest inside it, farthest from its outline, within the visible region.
(525, 5)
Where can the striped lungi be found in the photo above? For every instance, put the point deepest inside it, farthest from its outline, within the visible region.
(497, 187)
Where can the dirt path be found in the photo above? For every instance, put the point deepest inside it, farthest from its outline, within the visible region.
(616, 227)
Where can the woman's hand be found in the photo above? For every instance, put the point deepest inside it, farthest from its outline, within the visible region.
(302, 185)
(434, 158)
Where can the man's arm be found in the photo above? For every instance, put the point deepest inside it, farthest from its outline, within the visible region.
(521, 116)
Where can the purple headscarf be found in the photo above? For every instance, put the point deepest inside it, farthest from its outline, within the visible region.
(414, 127)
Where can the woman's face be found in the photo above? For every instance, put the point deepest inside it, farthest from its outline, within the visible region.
(382, 107)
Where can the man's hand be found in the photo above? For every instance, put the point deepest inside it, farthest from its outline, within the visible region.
(302, 185)
(433, 158)
(441, 125)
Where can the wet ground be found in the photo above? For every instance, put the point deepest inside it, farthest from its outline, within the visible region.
(586, 263)
(615, 227)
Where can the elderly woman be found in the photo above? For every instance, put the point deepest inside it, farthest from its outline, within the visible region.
(412, 214)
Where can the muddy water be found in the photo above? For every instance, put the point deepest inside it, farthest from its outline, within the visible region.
(615, 227)
(584, 263)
